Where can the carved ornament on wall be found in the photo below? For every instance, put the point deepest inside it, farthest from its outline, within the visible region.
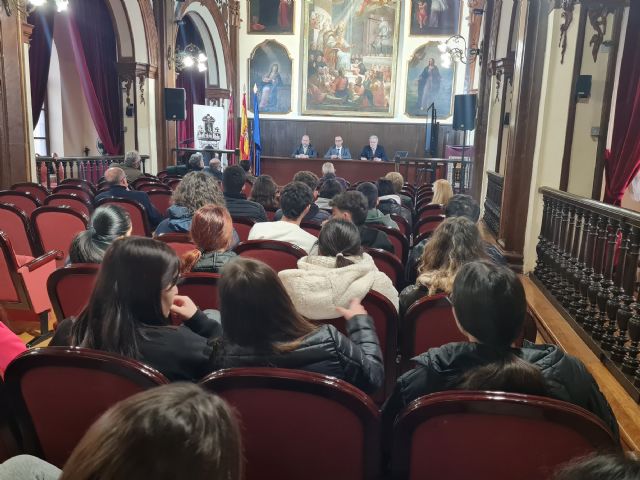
(502, 69)
(567, 14)
(598, 20)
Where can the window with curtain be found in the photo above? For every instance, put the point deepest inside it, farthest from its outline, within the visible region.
(41, 133)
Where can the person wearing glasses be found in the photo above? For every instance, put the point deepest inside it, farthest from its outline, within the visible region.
(338, 151)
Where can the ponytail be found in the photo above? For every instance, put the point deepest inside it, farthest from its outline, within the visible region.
(342, 261)
(85, 248)
(189, 260)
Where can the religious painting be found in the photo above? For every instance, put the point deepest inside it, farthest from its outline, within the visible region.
(273, 17)
(350, 50)
(435, 17)
(430, 78)
(270, 72)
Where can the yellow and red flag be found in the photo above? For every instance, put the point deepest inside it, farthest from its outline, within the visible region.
(244, 131)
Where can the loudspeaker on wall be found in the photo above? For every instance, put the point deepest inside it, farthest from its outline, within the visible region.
(175, 104)
(464, 112)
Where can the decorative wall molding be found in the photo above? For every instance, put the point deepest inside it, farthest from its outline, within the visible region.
(567, 13)
(598, 20)
(502, 69)
(129, 72)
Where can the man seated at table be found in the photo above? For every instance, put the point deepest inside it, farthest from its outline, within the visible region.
(119, 188)
(338, 150)
(305, 149)
(329, 173)
(373, 151)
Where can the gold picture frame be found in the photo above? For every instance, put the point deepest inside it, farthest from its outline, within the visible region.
(264, 56)
(271, 25)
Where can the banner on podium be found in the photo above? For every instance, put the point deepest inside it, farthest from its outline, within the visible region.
(209, 130)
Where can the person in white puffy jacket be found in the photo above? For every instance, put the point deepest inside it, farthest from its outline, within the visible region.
(339, 273)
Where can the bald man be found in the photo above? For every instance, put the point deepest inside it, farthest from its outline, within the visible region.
(119, 188)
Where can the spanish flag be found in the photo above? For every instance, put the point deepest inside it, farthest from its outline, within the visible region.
(244, 131)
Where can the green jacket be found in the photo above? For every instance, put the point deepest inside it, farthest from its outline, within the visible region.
(376, 216)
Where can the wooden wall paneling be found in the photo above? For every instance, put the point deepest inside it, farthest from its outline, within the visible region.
(166, 131)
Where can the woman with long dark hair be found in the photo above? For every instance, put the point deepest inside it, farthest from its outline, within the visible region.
(263, 328)
(265, 192)
(489, 305)
(108, 223)
(128, 312)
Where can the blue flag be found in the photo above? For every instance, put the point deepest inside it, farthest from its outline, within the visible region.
(256, 135)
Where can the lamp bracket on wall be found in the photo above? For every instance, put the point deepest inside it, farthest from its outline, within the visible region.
(454, 49)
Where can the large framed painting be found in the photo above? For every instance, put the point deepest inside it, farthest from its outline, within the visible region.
(270, 70)
(429, 80)
(350, 50)
(273, 17)
(435, 17)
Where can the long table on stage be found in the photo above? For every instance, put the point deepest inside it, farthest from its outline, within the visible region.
(414, 170)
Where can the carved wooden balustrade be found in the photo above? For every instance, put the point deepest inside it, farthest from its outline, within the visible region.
(588, 263)
(493, 201)
(51, 171)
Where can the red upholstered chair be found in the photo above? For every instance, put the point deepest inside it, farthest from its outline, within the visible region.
(398, 240)
(428, 224)
(24, 201)
(139, 219)
(70, 200)
(160, 199)
(429, 209)
(173, 182)
(81, 191)
(278, 255)
(59, 392)
(180, 242)
(15, 224)
(403, 225)
(78, 182)
(243, 226)
(56, 227)
(301, 425)
(202, 288)
(423, 200)
(150, 186)
(23, 294)
(271, 213)
(144, 180)
(9, 444)
(34, 189)
(70, 287)
(312, 228)
(492, 436)
(389, 264)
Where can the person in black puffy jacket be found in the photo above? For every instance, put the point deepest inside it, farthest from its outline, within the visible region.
(390, 203)
(261, 328)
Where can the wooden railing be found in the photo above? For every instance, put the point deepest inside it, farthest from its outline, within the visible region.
(52, 171)
(588, 265)
(493, 201)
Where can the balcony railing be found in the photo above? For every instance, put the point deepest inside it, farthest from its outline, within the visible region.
(493, 201)
(52, 171)
(588, 264)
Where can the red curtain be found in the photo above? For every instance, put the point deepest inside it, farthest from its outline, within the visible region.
(193, 83)
(623, 161)
(94, 48)
(40, 57)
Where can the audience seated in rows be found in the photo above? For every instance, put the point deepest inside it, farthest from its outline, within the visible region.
(262, 328)
(329, 189)
(119, 188)
(246, 166)
(329, 173)
(214, 169)
(353, 206)
(128, 312)
(295, 201)
(212, 232)
(315, 214)
(196, 163)
(108, 223)
(389, 203)
(398, 183)
(340, 272)
(455, 242)
(233, 180)
(10, 344)
(168, 432)
(601, 467)
(442, 192)
(265, 192)
(490, 306)
(130, 166)
(374, 216)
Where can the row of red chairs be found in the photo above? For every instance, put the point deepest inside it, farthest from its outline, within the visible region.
(317, 427)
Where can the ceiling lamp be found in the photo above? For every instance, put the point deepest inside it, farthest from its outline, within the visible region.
(188, 58)
(454, 49)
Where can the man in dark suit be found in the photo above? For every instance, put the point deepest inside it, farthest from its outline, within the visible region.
(373, 151)
(305, 149)
(119, 188)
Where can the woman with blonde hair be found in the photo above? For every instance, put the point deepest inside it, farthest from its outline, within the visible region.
(455, 242)
(442, 192)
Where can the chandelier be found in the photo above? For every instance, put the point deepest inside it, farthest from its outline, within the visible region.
(188, 58)
(25, 7)
(454, 49)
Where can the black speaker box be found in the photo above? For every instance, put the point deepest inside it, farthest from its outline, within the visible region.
(175, 104)
(583, 86)
(464, 112)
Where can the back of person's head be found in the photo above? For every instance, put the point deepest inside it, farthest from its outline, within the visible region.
(168, 432)
(600, 467)
(132, 159)
(196, 162)
(211, 231)
(385, 187)
(246, 165)
(328, 167)
(397, 179)
(265, 191)
(107, 223)
(339, 238)
(233, 179)
(442, 192)
(330, 188)
(197, 189)
(294, 199)
(370, 191)
(490, 305)
(463, 206)
(114, 176)
(353, 202)
(308, 178)
(128, 293)
(215, 164)
(266, 318)
(455, 242)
